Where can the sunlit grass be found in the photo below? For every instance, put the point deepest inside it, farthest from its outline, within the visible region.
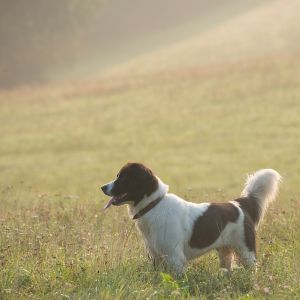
(200, 134)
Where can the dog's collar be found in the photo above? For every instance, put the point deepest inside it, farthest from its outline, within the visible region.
(147, 208)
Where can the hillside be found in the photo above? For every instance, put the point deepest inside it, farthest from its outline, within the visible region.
(51, 40)
(124, 30)
(266, 32)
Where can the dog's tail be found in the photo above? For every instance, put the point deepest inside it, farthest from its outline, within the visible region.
(260, 190)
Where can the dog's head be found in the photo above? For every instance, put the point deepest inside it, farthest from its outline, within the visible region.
(133, 182)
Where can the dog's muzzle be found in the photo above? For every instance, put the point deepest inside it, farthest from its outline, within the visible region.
(107, 188)
(104, 189)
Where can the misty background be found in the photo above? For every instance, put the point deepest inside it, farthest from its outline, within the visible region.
(43, 40)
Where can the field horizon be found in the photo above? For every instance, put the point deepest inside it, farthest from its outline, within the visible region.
(202, 113)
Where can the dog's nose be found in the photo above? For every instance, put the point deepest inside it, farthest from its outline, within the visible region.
(104, 188)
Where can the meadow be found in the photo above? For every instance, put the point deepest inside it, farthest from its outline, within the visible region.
(201, 129)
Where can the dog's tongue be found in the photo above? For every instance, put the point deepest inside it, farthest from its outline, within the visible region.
(109, 203)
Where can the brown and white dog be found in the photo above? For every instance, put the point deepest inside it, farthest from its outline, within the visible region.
(175, 231)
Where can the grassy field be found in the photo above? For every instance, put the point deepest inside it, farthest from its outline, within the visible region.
(200, 129)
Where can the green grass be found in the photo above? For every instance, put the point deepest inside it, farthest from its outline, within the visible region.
(200, 134)
(201, 129)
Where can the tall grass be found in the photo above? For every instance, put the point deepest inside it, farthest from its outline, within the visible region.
(201, 133)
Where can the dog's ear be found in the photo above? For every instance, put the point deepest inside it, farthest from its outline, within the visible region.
(152, 185)
(144, 183)
(149, 182)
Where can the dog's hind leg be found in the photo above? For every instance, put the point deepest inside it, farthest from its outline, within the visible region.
(248, 258)
(226, 257)
(247, 248)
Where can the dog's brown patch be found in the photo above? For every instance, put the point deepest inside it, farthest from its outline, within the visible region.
(250, 206)
(252, 211)
(226, 257)
(208, 227)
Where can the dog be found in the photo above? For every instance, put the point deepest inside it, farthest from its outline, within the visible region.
(176, 231)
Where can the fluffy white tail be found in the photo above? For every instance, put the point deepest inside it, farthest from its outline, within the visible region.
(262, 187)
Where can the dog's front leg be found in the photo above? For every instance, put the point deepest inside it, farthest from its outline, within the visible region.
(176, 263)
(173, 263)
(155, 260)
